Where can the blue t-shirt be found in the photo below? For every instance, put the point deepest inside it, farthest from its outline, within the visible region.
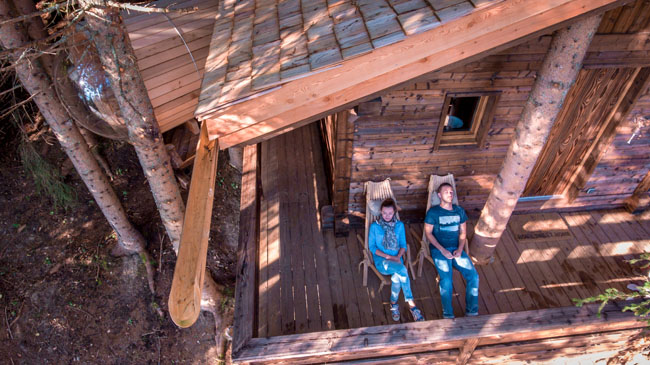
(376, 239)
(446, 225)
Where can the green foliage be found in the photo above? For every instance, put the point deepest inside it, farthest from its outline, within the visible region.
(640, 309)
(48, 180)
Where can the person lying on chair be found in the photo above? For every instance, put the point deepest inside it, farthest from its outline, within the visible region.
(387, 243)
(445, 229)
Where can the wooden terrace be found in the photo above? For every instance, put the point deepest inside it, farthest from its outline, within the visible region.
(297, 279)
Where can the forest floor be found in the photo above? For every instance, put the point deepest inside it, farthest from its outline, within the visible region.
(65, 299)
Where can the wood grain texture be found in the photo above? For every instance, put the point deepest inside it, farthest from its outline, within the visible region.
(316, 95)
(244, 319)
(185, 295)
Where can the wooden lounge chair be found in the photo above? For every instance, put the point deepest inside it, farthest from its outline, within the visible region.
(434, 182)
(376, 193)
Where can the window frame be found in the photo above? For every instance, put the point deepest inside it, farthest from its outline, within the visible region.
(481, 121)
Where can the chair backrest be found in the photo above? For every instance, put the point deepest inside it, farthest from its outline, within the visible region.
(433, 199)
(376, 193)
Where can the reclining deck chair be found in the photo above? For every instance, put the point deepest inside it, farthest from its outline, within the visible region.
(376, 193)
(434, 182)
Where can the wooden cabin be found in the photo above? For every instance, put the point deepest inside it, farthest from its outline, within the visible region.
(326, 95)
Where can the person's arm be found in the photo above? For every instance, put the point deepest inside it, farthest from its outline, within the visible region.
(428, 231)
(401, 240)
(462, 239)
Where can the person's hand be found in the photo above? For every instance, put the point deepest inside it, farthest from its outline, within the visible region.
(395, 259)
(447, 254)
(457, 253)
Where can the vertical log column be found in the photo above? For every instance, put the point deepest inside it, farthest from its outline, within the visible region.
(639, 200)
(559, 71)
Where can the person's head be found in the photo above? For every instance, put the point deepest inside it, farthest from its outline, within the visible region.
(445, 193)
(388, 209)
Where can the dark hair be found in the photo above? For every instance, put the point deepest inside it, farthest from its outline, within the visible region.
(388, 203)
(442, 186)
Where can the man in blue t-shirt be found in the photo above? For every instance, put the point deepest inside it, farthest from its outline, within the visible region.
(445, 229)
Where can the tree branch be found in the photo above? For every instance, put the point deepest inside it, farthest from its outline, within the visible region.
(99, 3)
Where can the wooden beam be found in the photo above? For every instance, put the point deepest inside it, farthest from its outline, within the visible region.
(189, 273)
(639, 200)
(605, 137)
(467, 350)
(490, 29)
(245, 306)
(557, 74)
(445, 334)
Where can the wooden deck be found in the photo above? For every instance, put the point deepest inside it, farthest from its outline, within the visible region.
(308, 279)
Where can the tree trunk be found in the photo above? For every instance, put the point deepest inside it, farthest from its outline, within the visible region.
(37, 82)
(109, 36)
(559, 71)
(116, 54)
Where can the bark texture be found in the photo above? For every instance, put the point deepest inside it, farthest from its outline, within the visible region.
(109, 36)
(36, 81)
(114, 47)
(558, 73)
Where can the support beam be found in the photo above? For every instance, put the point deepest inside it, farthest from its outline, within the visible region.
(639, 200)
(556, 76)
(467, 350)
(313, 97)
(189, 273)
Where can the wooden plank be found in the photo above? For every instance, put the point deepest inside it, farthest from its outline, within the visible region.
(437, 335)
(288, 225)
(335, 282)
(244, 317)
(315, 189)
(637, 85)
(263, 261)
(348, 271)
(391, 65)
(189, 273)
(302, 142)
(274, 248)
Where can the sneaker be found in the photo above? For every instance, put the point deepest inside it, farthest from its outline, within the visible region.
(448, 317)
(394, 312)
(417, 314)
(471, 314)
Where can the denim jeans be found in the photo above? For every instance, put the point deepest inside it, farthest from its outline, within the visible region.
(399, 278)
(445, 270)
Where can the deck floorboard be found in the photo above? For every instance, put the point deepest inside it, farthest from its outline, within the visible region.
(309, 279)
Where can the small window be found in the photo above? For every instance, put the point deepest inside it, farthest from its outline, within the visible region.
(465, 119)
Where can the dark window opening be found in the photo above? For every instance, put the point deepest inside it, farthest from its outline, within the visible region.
(461, 113)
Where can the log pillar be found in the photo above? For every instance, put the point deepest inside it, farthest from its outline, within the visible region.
(557, 74)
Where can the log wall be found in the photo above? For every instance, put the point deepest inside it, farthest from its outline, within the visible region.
(394, 134)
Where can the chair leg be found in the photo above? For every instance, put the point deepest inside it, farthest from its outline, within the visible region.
(364, 262)
(420, 263)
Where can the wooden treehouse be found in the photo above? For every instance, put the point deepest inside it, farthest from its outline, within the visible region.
(326, 95)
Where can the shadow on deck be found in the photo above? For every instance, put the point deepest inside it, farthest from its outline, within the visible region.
(306, 280)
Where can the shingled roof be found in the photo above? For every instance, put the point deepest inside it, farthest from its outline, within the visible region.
(261, 44)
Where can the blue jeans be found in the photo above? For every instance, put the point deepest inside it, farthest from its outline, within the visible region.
(445, 270)
(399, 278)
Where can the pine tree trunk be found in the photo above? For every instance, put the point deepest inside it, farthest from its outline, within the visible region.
(108, 33)
(36, 81)
(117, 56)
(559, 71)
